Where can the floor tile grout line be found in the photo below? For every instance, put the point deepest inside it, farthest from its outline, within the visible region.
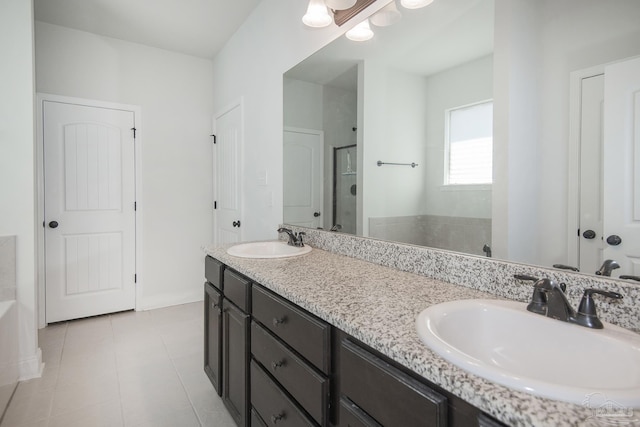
(193, 408)
(115, 361)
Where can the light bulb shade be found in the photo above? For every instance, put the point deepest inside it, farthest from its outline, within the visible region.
(317, 15)
(388, 15)
(340, 4)
(361, 32)
(415, 4)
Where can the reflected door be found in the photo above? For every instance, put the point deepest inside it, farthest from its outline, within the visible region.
(303, 177)
(591, 148)
(89, 195)
(622, 165)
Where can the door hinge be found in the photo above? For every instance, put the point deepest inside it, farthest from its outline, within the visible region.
(135, 278)
(215, 204)
(134, 132)
(135, 206)
(215, 140)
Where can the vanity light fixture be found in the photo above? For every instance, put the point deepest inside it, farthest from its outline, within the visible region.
(317, 15)
(415, 4)
(361, 32)
(340, 4)
(388, 15)
(321, 13)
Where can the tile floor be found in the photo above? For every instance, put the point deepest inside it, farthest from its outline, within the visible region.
(125, 369)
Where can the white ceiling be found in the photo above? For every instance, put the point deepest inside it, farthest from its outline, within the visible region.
(426, 41)
(194, 27)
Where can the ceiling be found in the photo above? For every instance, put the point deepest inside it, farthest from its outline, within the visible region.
(426, 41)
(193, 27)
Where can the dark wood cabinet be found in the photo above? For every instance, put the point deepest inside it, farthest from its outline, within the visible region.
(276, 364)
(235, 362)
(305, 333)
(368, 381)
(213, 335)
(308, 387)
(272, 404)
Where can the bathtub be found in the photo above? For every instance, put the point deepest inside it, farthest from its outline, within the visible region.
(8, 351)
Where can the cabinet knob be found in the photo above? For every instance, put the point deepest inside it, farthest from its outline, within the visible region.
(215, 305)
(281, 321)
(276, 418)
(278, 364)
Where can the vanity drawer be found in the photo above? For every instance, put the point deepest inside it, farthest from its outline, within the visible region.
(309, 388)
(369, 381)
(307, 335)
(213, 271)
(272, 404)
(256, 421)
(237, 289)
(352, 416)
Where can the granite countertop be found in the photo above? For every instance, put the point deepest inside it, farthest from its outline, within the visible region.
(378, 305)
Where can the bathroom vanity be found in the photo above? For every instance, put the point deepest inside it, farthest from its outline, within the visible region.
(328, 340)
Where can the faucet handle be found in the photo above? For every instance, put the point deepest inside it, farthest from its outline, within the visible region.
(566, 267)
(587, 315)
(299, 238)
(628, 277)
(525, 277)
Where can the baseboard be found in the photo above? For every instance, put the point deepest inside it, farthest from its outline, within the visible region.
(167, 300)
(31, 367)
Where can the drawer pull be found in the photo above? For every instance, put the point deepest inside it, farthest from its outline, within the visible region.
(215, 305)
(276, 418)
(278, 364)
(281, 321)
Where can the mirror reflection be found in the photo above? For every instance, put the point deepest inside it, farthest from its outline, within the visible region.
(405, 138)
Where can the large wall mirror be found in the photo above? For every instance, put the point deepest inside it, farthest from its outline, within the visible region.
(478, 126)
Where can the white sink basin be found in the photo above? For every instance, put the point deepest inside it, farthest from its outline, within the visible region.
(503, 342)
(275, 249)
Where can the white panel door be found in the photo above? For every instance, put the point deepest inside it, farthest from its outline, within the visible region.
(227, 176)
(622, 165)
(591, 148)
(303, 177)
(89, 195)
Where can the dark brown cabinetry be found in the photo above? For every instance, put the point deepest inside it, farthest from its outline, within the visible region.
(213, 335)
(291, 352)
(226, 343)
(367, 381)
(235, 362)
(276, 364)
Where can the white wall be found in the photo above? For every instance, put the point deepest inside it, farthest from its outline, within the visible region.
(17, 173)
(394, 108)
(538, 45)
(174, 93)
(462, 85)
(272, 40)
(574, 35)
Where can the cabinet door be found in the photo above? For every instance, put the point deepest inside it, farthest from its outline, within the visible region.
(235, 362)
(387, 394)
(213, 335)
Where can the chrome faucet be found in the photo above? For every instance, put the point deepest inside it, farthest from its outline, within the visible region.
(549, 300)
(295, 239)
(607, 267)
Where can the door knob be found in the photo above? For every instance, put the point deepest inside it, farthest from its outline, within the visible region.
(236, 223)
(316, 214)
(53, 224)
(614, 240)
(589, 234)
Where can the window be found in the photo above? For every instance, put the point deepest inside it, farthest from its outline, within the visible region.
(469, 145)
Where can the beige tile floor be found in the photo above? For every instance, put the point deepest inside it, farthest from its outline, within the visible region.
(125, 369)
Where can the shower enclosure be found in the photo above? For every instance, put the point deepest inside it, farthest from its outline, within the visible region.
(345, 188)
